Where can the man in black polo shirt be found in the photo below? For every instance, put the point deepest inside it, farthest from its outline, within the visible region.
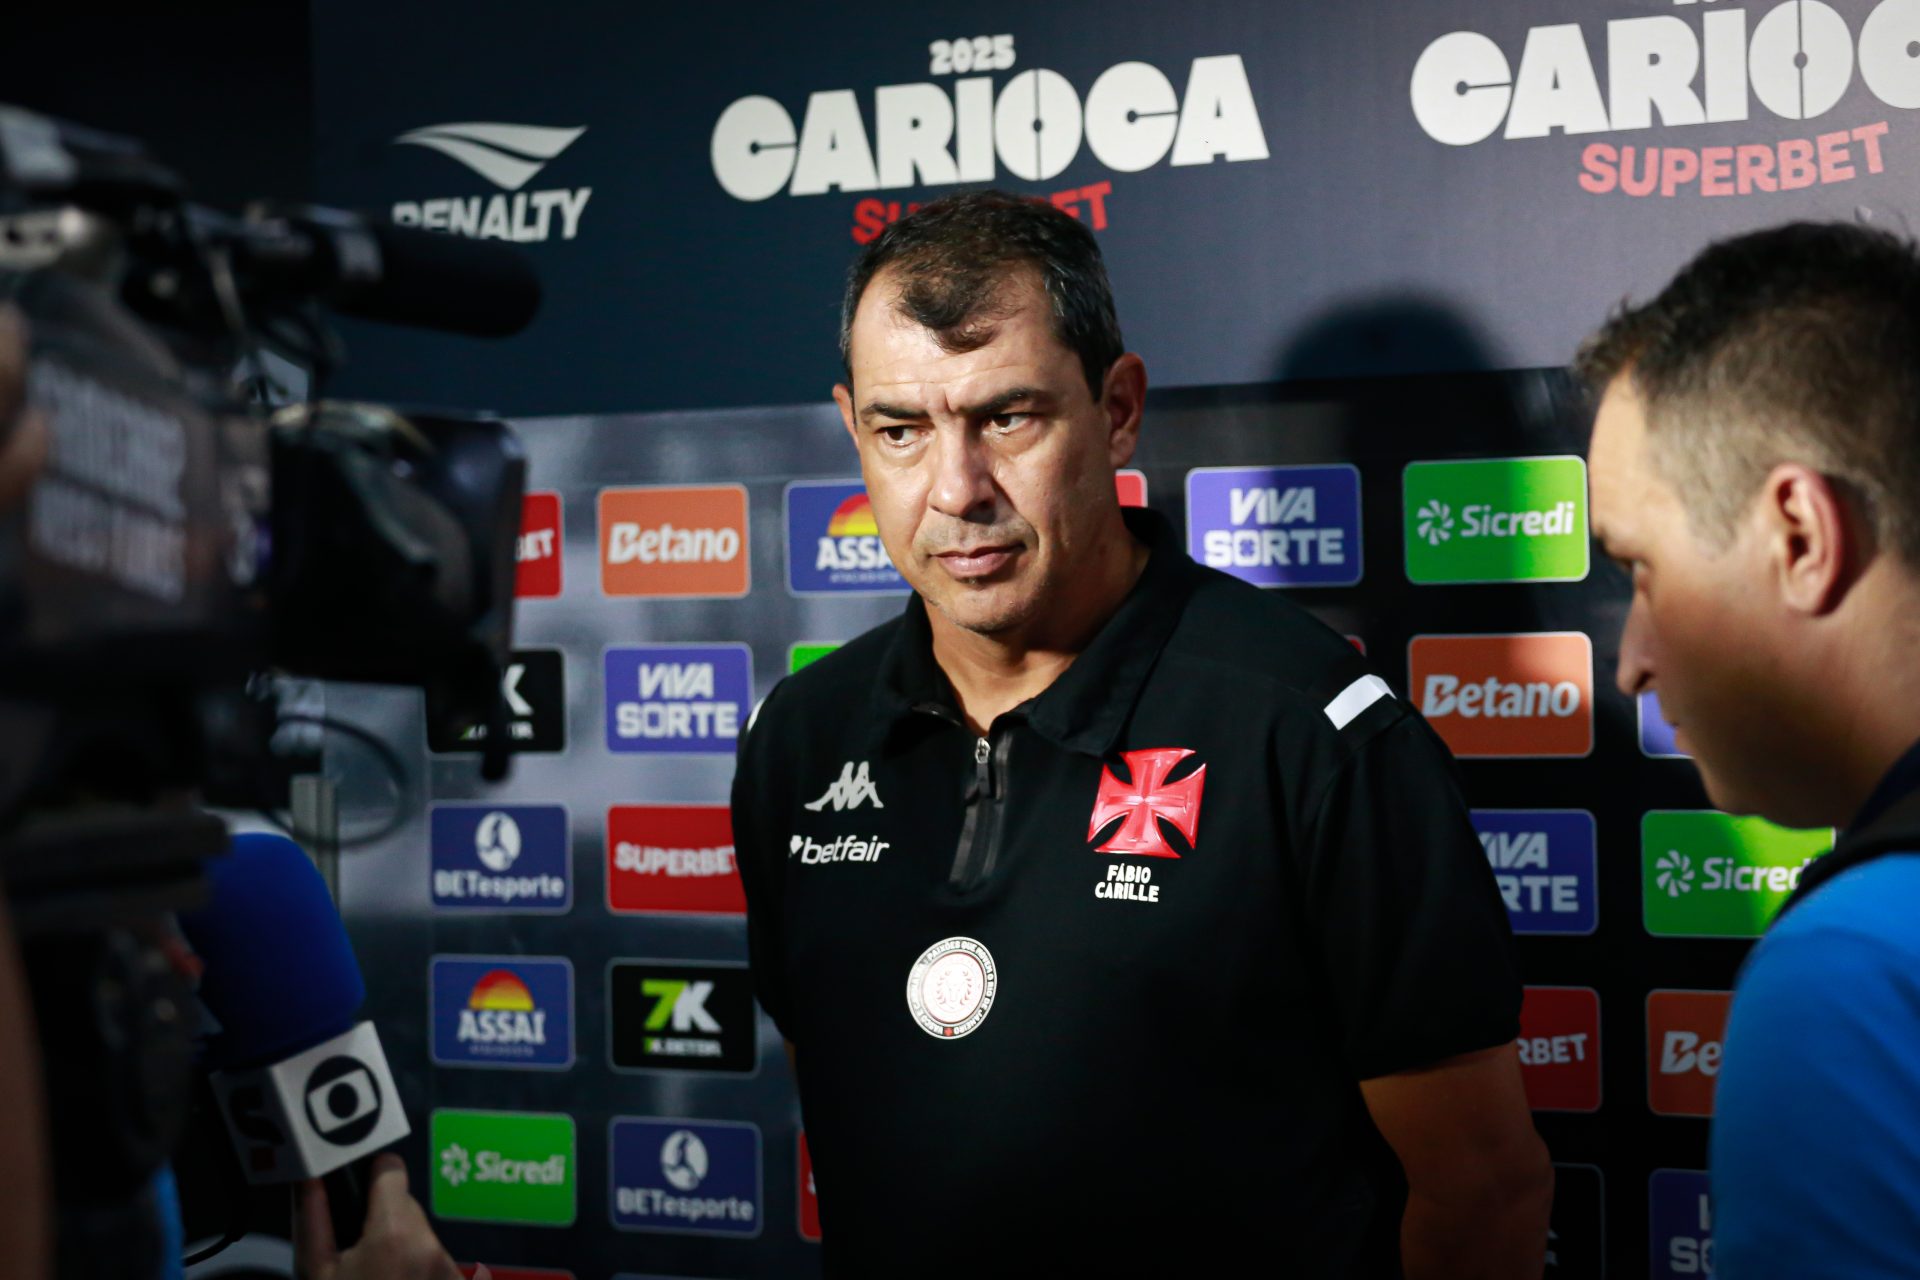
(1118, 917)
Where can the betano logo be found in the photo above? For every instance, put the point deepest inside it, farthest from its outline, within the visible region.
(1525, 694)
(1711, 875)
(1496, 520)
(674, 541)
(933, 134)
(508, 156)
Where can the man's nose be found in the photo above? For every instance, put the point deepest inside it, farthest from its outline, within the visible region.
(1634, 672)
(962, 479)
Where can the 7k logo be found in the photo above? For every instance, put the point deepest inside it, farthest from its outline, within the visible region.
(684, 1003)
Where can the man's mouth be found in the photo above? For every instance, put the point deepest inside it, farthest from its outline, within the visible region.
(978, 562)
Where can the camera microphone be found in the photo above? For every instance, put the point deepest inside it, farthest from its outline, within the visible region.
(304, 1088)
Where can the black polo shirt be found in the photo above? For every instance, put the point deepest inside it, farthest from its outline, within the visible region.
(1097, 990)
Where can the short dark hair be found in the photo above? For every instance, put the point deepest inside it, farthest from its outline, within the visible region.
(955, 257)
(1800, 343)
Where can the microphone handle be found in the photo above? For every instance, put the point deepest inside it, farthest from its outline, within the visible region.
(347, 1201)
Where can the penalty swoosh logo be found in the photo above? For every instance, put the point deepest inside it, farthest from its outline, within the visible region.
(507, 155)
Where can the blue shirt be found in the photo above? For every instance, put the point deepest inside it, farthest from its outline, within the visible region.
(1816, 1131)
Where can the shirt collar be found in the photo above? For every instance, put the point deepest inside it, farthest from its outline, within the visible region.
(1084, 709)
(1903, 777)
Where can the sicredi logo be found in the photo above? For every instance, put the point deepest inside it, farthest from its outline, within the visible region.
(501, 1011)
(1506, 695)
(667, 1016)
(1277, 526)
(488, 857)
(809, 1194)
(1496, 520)
(1130, 487)
(509, 156)
(1544, 862)
(1710, 875)
(691, 1177)
(673, 859)
(1685, 1032)
(1680, 1223)
(1656, 735)
(806, 654)
(537, 553)
(675, 541)
(1560, 1048)
(677, 699)
(833, 544)
(503, 1166)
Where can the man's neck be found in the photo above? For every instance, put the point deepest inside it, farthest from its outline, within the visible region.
(992, 674)
(1871, 698)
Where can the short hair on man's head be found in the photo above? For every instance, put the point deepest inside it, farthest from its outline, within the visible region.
(1800, 343)
(955, 257)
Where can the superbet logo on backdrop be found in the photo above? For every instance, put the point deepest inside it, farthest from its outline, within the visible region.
(809, 1194)
(509, 156)
(673, 859)
(1506, 695)
(537, 552)
(1797, 60)
(674, 541)
(1560, 1048)
(1685, 1032)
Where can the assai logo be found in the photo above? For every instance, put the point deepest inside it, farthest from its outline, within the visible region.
(1277, 526)
(809, 1194)
(806, 653)
(500, 857)
(833, 544)
(501, 1011)
(1506, 695)
(697, 1177)
(509, 156)
(675, 541)
(1656, 735)
(678, 699)
(503, 1166)
(1544, 862)
(1560, 1048)
(1680, 1217)
(537, 553)
(1710, 875)
(681, 1017)
(534, 688)
(1576, 1233)
(1685, 1032)
(937, 134)
(673, 859)
(1496, 520)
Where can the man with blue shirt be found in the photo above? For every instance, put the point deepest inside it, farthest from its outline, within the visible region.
(1755, 466)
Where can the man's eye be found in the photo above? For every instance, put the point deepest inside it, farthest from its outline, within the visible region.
(896, 434)
(1006, 421)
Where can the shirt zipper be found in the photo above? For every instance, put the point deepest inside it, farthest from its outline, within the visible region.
(979, 848)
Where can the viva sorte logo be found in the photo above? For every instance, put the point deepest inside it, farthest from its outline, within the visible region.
(1496, 520)
(509, 156)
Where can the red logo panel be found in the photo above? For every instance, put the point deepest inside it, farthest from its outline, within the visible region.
(1560, 1048)
(1685, 1030)
(1131, 486)
(538, 550)
(809, 1198)
(672, 859)
(1138, 804)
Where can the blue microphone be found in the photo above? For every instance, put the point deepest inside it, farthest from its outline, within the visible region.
(303, 1084)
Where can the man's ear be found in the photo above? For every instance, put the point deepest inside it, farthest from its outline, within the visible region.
(1123, 401)
(843, 397)
(1817, 540)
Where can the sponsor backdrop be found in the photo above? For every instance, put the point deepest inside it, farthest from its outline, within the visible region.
(1339, 236)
